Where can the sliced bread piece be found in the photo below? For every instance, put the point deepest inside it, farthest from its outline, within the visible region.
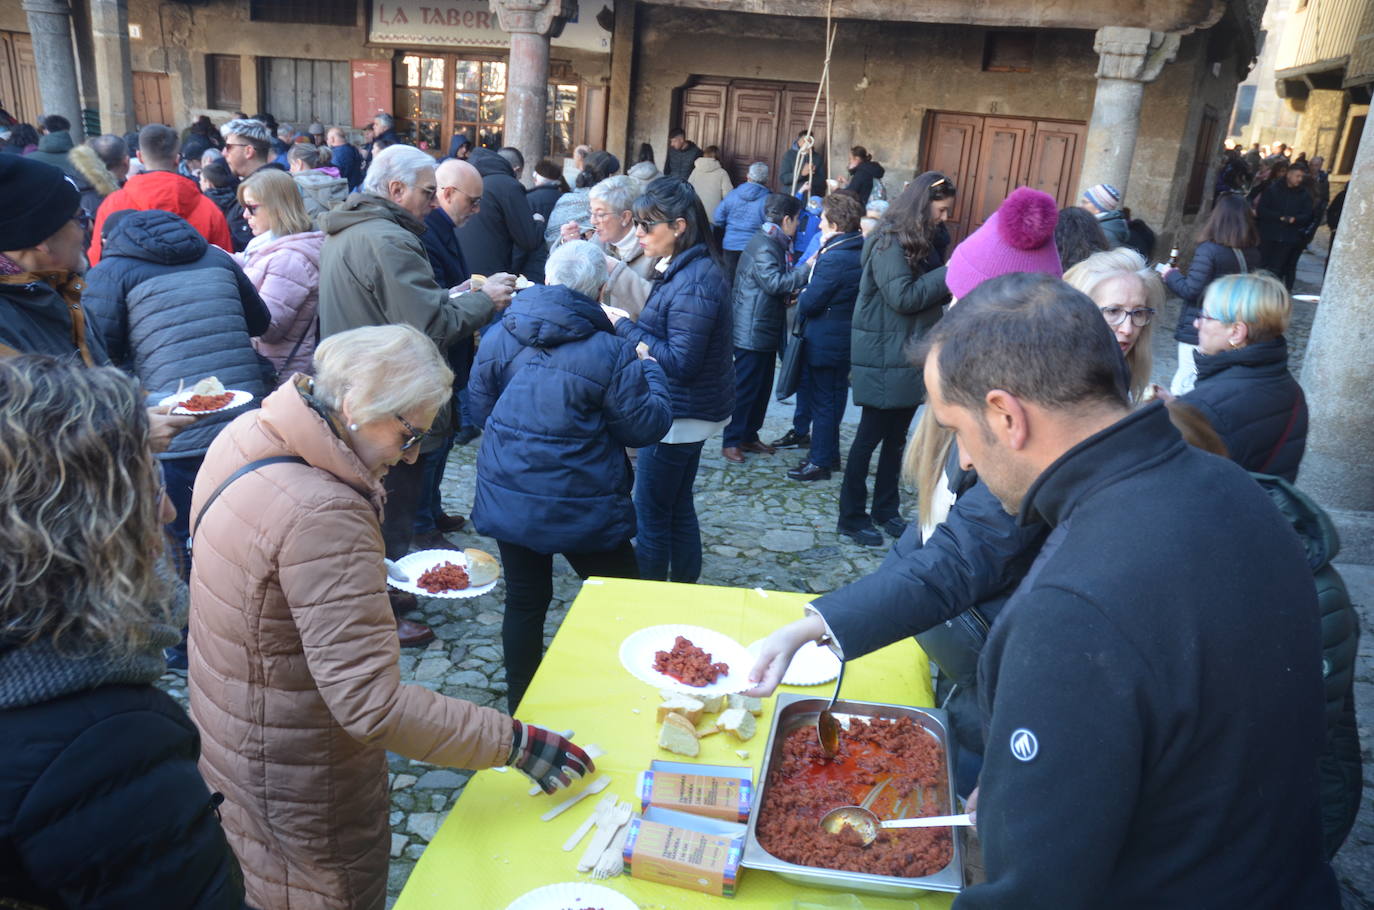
(678, 735)
(685, 705)
(713, 704)
(739, 722)
(753, 705)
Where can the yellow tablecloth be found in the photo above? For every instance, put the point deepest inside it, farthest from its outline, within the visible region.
(493, 847)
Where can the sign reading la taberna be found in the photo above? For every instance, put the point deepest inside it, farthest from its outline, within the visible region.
(471, 23)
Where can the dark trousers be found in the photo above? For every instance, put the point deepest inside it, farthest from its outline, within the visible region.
(829, 387)
(731, 260)
(180, 476)
(669, 538)
(878, 426)
(801, 414)
(529, 588)
(405, 484)
(753, 385)
(432, 464)
(1282, 260)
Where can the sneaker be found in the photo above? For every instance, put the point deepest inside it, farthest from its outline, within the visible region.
(864, 537)
(895, 527)
(792, 440)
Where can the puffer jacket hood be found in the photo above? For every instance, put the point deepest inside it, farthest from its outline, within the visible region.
(362, 207)
(320, 191)
(489, 164)
(223, 196)
(153, 236)
(58, 143)
(707, 165)
(560, 397)
(162, 190)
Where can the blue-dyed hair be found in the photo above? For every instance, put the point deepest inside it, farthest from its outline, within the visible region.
(1257, 299)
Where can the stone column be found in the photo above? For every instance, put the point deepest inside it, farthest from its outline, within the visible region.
(50, 25)
(1338, 374)
(530, 22)
(1128, 58)
(115, 79)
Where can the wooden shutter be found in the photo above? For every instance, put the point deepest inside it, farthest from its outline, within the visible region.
(751, 122)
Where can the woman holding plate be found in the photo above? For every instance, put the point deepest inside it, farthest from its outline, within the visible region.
(294, 681)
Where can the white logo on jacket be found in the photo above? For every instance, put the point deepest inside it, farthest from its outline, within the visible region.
(1024, 745)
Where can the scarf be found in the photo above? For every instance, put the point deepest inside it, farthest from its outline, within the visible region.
(69, 285)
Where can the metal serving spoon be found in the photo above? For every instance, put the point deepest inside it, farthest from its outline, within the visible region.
(866, 824)
(827, 727)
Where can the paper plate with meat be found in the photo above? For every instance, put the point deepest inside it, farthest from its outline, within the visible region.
(208, 396)
(689, 659)
(447, 573)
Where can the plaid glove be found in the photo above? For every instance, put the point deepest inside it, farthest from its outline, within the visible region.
(546, 758)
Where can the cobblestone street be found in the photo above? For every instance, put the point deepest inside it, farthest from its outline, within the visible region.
(760, 530)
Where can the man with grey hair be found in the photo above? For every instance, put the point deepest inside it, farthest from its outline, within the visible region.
(573, 166)
(740, 214)
(374, 271)
(320, 190)
(247, 150)
(114, 153)
(161, 187)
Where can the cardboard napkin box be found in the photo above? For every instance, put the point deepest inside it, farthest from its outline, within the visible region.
(686, 851)
(714, 791)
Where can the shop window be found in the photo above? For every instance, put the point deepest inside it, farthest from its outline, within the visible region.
(561, 116)
(1204, 156)
(479, 101)
(420, 101)
(305, 12)
(1008, 52)
(224, 87)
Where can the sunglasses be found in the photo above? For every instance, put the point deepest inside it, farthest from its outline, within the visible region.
(647, 226)
(414, 434)
(251, 209)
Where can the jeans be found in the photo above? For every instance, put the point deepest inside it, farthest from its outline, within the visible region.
(464, 409)
(669, 538)
(1185, 377)
(829, 389)
(180, 476)
(529, 588)
(404, 486)
(753, 385)
(878, 426)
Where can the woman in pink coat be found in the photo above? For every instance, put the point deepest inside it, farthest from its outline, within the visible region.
(283, 262)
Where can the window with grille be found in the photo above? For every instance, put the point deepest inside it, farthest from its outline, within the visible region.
(305, 12)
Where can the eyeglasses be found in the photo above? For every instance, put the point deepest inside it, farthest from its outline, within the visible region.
(1202, 316)
(1116, 315)
(82, 219)
(415, 435)
(428, 191)
(647, 226)
(474, 201)
(238, 145)
(603, 216)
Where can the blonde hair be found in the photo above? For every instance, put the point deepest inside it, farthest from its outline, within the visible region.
(381, 371)
(79, 493)
(923, 466)
(1096, 270)
(1259, 300)
(277, 192)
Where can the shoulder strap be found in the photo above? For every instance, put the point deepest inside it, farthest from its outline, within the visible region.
(1240, 261)
(312, 329)
(1292, 418)
(246, 469)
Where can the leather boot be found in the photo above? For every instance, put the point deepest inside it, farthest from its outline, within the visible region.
(413, 634)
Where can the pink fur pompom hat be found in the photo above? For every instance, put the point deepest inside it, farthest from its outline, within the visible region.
(1018, 237)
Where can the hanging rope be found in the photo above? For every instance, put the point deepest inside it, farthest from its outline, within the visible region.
(823, 89)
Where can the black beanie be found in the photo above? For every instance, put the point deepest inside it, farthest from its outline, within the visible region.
(39, 199)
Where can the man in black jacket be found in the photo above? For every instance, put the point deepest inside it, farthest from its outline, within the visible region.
(247, 150)
(682, 155)
(504, 224)
(1285, 212)
(1133, 710)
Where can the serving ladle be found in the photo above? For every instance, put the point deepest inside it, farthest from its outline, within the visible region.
(827, 727)
(866, 824)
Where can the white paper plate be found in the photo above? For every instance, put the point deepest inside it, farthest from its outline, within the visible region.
(1306, 298)
(812, 665)
(570, 895)
(240, 399)
(421, 561)
(637, 655)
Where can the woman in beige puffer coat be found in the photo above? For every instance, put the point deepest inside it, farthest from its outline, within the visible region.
(293, 651)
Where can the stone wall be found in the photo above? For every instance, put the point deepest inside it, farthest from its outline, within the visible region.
(886, 76)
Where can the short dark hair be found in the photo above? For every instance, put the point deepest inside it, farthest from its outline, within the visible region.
(777, 206)
(1231, 223)
(54, 123)
(513, 156)
(111, 149)
(1033, 336)
(217, 173)
(677, 132)
(711, 151)
(158, 144)
(596, 167)
(1077, 235)
(861, 153)
(803, 133)
(843, 210)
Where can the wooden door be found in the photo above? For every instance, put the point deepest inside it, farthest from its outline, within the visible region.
(153, 99)
(951, 146)
(703, 113)
(19, 78)
(1057, 159)
(1003, 158)
(751, 123)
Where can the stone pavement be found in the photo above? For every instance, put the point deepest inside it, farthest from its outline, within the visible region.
(759, 530)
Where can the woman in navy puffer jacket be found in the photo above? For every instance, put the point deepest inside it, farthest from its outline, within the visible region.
(1243, 385)
(561, 397)
(1227, 244)
(686, 326)
(827, 305)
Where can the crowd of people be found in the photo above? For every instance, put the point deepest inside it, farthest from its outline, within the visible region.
(367, 298)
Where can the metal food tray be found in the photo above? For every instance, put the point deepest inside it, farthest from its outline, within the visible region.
(791, 711)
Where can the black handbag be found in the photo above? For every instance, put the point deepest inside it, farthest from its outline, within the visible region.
(789, 377)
